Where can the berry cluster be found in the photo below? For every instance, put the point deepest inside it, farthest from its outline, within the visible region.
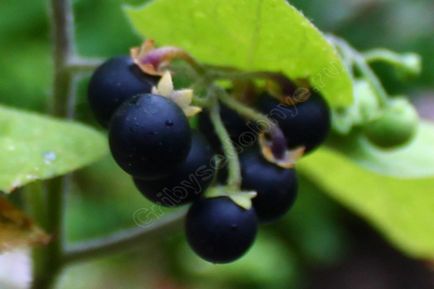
(149, 134)
(304, 125)
(171, 164)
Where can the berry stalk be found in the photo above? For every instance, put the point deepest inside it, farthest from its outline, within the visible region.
(234, 178)
(361, 64)
(245, 111)
(272, 140)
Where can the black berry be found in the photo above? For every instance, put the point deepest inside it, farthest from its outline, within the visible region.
(276, 187)
(304, 124)
(220, 231)
(114, 82)
(149, 136)
(187, 182)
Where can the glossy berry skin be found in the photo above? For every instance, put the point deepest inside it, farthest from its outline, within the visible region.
(114, 82)
(276, 187)
(236, 126)
(304, 124)
(149, 136)
(187, 182)
(220, 231)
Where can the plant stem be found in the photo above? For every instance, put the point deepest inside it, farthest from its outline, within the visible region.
(120, 241)
(234, 174)
(372, 79)
(384, 55)
(47, 261)
(36, 203)
(245, 111)
(47, 208)
(63, 29)
(201, 102)
(361, 64)
(409, 62)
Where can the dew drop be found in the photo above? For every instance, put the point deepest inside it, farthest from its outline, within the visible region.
(31, 177)
(169, 123)
(49, 157)
(134, 101)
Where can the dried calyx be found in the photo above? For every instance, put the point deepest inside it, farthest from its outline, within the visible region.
(154, 61)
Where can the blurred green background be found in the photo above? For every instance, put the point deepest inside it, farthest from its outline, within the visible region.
(318, 245)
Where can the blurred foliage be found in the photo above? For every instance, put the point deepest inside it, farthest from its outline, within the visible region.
(102, 29)
(106, 195)
(399, 25)
(26, 74)
(129, 271)
(103, 199)
(268, 264)
(402, 209)
(314, 226)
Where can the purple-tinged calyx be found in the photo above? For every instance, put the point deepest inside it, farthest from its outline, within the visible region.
(275, 149)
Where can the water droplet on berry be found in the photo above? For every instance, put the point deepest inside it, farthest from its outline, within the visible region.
(234, 227)
(134, 101)
(169, 123)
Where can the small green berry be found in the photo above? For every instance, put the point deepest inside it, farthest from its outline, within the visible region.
(396, 126)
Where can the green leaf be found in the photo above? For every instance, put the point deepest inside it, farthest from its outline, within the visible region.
(34, 147)
(21, 66)
(414, 160)
(401, 209)
(28, 50)
(252, 35)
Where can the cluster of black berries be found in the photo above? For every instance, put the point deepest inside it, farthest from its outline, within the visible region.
(171, 164)
(149, 134)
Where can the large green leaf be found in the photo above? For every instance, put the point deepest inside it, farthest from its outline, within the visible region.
(403, 210)
(34, 147)
(265, 35)
(414, 160)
